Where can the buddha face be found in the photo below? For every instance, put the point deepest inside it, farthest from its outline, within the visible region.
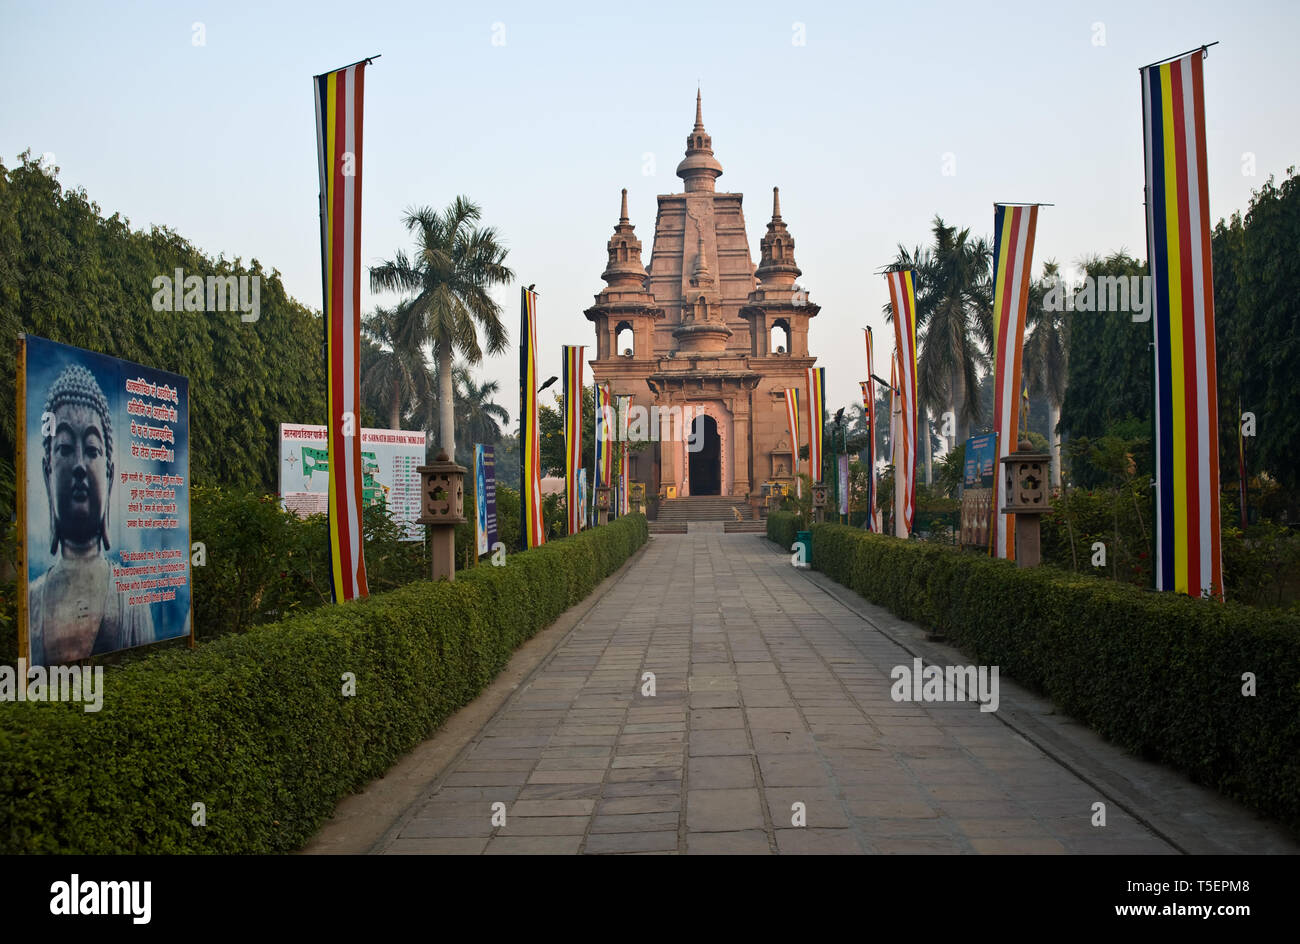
(78, 475)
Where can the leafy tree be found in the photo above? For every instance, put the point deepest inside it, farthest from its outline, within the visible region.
(1109, 369)
(72, 275)
(954, 320)
(1046, 359)
(448, 281)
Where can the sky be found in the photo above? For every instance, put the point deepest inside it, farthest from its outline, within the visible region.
(871, 120)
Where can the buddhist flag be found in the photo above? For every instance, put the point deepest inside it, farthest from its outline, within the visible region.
(624, 405)
(605, 420)
(869, 411)
(902, 298)
(339, 96)
(792, 420)
(1013, 253)
(530, 443)
(573, 434)
(1188, 553)
(816, 420)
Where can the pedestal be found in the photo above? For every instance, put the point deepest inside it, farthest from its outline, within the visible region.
(1028, 551)
(442, 551)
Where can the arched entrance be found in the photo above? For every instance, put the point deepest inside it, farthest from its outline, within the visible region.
(706, 460)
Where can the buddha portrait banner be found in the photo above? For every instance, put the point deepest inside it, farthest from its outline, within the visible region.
(103, 504)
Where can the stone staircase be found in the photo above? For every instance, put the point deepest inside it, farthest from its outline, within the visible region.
(676, 513)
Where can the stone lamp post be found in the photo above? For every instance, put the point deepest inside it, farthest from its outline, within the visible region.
(442, 507)
(602, 504)
(1025, 475)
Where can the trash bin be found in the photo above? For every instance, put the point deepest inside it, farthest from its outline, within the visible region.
(804, 538)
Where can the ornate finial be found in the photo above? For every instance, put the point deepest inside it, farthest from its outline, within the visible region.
(776, 203)
(699, 112)
(701, 263)
(622, 214)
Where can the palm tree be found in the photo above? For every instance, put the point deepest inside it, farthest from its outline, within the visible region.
(1047, 358)
(397, 373)
(454, 266)
(954, 315)
(476, 413)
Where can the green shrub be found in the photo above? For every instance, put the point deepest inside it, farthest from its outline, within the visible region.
(783, 527)
(1157, 673)
(255, 726)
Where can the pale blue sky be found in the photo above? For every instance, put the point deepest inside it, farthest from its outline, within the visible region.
(218, 141)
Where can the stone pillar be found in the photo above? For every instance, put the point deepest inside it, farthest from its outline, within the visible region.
(739, 452)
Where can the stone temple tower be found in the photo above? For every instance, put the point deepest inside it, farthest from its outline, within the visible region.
(706, 332)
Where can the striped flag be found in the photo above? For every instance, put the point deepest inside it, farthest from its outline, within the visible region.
(1013, 254)
(573, 434)
(530, 443)
(624, 405)
(1188, 551)
(604, 437)
(792, 418)
(869, 411)
(816, 420)
(902, 298)
(339, 96)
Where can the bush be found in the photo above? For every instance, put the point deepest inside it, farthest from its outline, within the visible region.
(255, 726)
(1158, 673)
(783, 527)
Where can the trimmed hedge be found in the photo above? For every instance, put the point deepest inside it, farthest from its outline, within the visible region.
(1158, 673)
(255, 726)
(783, 527)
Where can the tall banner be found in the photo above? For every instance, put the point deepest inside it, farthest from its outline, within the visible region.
(842, 462)
(869, 411)
(1188, 552)
(902, 297)
(573, 434)
(532, 532)
(1013, 254)
(103, 482)
(792, 417)
(338, 138)
(895, 437)
(624, 405)
(485, 498)
(604, 437)
(816, 420)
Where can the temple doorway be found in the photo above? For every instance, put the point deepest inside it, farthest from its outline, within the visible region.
(706, 462)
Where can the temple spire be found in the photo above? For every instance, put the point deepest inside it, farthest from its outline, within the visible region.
(699, 169)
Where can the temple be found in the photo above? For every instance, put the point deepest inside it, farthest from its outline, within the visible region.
(706, 332)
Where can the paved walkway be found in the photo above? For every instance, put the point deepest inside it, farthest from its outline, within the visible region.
(771, 696)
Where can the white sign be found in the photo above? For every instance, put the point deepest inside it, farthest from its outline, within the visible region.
(389, 459)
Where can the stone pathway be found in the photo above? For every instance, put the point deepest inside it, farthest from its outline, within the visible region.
(770, 696)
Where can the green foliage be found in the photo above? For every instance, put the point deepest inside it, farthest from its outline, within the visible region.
(1109, 361)
(1157, 673)
(255, 725)
(783, 527)
(1257, 308)
(71, 275)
